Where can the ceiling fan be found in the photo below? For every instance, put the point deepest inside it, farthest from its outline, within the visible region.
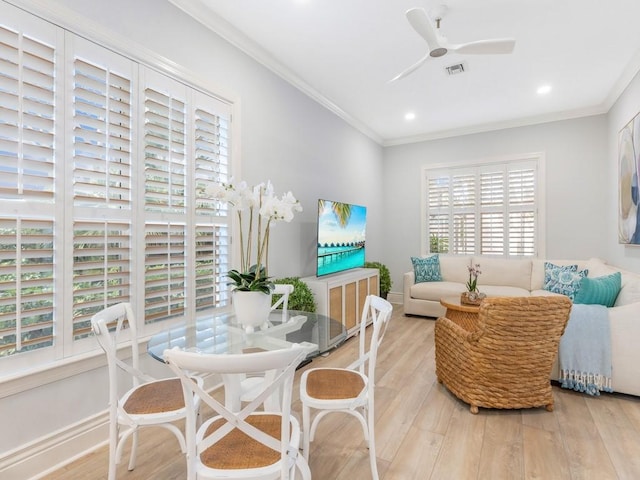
(428, 28)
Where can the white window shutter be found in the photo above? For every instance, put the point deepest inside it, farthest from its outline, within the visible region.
(101, 137)
(101, 269)
(164, 152)
(211, 157)
(490, 209)
(26, 261)
(27, 184)
(164, 271)
(27, 117)
(101, 157)
(438, 205)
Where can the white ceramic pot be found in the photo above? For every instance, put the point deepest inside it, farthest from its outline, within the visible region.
(251, 309)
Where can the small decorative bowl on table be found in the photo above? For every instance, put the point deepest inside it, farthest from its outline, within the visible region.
(471, 298)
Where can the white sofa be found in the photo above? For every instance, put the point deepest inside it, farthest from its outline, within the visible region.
(502, 277)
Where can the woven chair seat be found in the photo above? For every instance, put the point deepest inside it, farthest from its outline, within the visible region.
(237, 450)
(156, 397)
(505, 361)
(328, 384)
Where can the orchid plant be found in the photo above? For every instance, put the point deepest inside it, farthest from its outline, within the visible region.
(474, 271)
(258, 209)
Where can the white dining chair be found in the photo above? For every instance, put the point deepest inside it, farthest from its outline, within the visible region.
(348, 390)
(148, 401)
(284, 290)
(250, 443)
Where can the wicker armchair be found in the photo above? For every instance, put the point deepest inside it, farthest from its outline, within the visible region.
(506, 361)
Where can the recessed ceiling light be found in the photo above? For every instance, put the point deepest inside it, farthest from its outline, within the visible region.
(543, 89)
(409, 116)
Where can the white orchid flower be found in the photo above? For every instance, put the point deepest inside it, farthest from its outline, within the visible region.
(270, 208)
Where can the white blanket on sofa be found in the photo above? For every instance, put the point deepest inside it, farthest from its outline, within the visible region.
(584, 356)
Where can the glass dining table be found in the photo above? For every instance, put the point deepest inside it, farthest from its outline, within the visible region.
(219, 333)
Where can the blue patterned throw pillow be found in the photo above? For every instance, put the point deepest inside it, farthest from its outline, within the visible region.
(563, 279)
(427, 269)
(600, 290)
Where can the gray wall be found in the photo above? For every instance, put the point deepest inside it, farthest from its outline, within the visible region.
(576, 180)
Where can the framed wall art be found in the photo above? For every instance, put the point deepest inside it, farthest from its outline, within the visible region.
(628, 194)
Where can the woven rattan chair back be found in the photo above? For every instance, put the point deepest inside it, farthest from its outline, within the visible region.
(348, 390)
(506, 360)
(249, 443)
(148, 401)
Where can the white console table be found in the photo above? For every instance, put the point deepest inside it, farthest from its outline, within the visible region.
(341, 296)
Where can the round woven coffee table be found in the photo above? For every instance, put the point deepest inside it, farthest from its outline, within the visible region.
(464, 315)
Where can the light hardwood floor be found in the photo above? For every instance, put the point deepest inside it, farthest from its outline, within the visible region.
(425, 433)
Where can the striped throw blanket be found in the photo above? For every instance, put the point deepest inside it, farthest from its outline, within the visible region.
(584, 356)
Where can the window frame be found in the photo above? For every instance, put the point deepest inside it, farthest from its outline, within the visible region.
(477, 164)
(67, 351)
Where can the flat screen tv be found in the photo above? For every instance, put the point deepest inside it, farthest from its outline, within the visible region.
(341, 233)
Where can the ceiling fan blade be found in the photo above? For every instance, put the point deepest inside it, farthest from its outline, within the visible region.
(485, 47)
(411, 69)
(423, 25)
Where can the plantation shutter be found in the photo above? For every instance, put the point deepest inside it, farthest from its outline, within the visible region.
(26, 261)
(463, 196)
(522, 210)
(101, 137)
(27, 186)
(101, 157)
(165, 276)
(438, 205)
(212, 218)
(165, 190)
(27, 121)
(488, 209)
(101, 270)
(492, 217)
(164, 152)
(102, 181)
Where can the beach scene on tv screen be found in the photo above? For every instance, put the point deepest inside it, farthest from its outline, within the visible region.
(341, 236)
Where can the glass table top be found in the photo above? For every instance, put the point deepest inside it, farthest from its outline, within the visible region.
(219, 333)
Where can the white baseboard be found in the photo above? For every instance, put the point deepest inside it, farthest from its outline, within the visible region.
(395, 297)
(45, 455)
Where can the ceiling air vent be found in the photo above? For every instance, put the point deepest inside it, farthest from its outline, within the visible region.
(455, 69)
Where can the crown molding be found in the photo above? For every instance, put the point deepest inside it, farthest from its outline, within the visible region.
(628, 74)
(490, 127)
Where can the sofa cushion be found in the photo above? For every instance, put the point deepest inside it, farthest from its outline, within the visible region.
(630, 291)
(504, 291)
(455, 268)
(564, 279)
(436, 290)
(502, 271)
(426, 269)
(598, 268)
(599, 290)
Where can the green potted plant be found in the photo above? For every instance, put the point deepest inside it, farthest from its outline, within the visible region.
(385, 277)
(301, 298)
